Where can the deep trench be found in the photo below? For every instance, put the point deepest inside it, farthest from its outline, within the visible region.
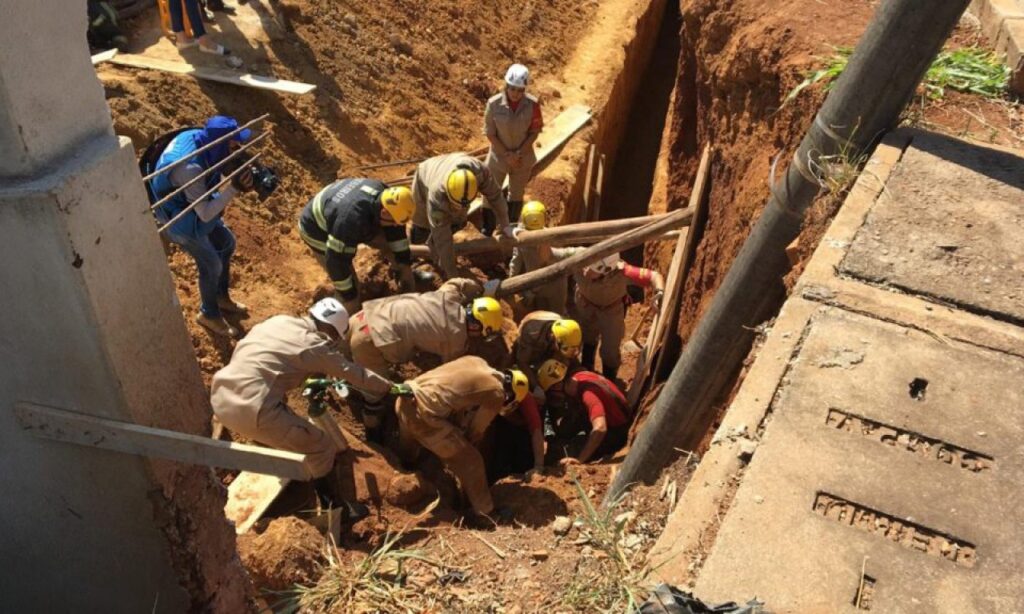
(629, 184)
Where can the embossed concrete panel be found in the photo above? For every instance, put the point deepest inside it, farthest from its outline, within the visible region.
(958, 543)
(950, 226)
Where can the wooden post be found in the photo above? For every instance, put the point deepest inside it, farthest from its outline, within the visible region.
(87, 430)
(598, 188)
(587, 204)
(618, 243)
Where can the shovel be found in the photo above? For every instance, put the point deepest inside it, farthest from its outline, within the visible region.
(631, 344)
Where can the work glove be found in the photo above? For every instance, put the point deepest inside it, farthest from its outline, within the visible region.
(491, 287)
(401, 390)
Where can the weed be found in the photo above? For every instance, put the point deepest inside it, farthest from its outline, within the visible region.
(617, 578)
(969, 69)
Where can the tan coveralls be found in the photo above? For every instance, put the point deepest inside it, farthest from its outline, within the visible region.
(276, 356)
(451, 409)
(512, 128)
(552, 295)
(437, 213)
(392, 330)
(534, 344)
(601, 312)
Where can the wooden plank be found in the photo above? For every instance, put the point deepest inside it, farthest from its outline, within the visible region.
(588, 255)
(598, 189)
(210, 73)
(249, 496)
(589, 179)
(658, 333)
(551, 138)
(66, 426)
(103, 56)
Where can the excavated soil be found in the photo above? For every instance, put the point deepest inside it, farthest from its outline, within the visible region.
(398, 79)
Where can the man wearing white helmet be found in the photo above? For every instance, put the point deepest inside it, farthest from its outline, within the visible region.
(278, 354)
(512, 121)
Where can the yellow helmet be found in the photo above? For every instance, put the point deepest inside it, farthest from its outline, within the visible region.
(518, 384)
(533, 215)
(568, 337)
(399, 203)
(487, 312)
(461, 186)
(551, 372)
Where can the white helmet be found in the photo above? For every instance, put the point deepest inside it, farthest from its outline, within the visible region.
(606, 265)
(517, 76)
(330, 311)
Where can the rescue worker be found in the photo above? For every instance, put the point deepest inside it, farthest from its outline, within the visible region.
(544, 335)
(525, 258)
(202, 232)
(442, 188)
(448, 410)
(518, 437)
(584, 394)
(393, 330)
(248, 394)
(512, 121)
(350, 212)
(601, 298)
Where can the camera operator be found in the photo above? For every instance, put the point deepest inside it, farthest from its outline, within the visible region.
(202, 232)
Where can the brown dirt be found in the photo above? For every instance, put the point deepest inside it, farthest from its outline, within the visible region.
(286, 552)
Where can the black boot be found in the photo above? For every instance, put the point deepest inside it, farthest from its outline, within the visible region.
(490, 222)
(610, 373)
(373, 420)
(587, 356)
(351, 511)
(515, 208)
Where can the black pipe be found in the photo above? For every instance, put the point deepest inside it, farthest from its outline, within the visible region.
(879, 81)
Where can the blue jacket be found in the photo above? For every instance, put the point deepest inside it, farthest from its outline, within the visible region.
(183, 146)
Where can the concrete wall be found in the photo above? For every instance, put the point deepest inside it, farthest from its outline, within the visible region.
(89, 323)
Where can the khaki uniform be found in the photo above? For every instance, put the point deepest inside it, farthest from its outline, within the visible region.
(451, 402)
(552, 295)
(393, 330)
(276, 356)
(601, 312)
(512, 128)
(437, 213)
(534, 344)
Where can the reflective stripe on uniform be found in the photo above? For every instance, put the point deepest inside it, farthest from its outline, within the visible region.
(400, 245)
(336, 245)
(318, 209)
(344, 284)
(319, 246)
(369, 190)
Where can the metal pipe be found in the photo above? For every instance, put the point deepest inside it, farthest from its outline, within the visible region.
(177, 163)
(206, 172)
(891, 58)
(193, 204)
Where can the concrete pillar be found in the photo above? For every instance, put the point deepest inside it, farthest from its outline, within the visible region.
(89, 322)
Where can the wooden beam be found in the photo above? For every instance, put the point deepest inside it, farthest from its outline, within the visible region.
(569, 234)
(673, 287)
(103, 56)
(618, 243)
(87, 430)
(588, 180)
(211, 73)
(598, 189)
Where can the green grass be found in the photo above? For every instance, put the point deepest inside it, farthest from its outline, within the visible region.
(969, 69)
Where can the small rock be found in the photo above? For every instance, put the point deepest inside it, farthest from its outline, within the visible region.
(747, 448)
(586, 551)
(632, 541)
(758, 499)
(399, 45)
(625, 517)
(561, 525)
(982, 433)
(350, 19)
(539, 555)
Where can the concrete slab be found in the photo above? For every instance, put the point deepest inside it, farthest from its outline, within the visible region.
(951, 228)
(913, 466)
(890, 419)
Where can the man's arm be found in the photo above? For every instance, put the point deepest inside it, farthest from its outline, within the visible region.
(492, 192)
(214, 204)
(325, 359)
(398, 242)
(441, 240)
(598, 430)
(478, 426)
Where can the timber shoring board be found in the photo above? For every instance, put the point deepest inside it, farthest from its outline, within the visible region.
(211, 73)
(249, 497)
(87, 430)
(682, 260)
(103, 56)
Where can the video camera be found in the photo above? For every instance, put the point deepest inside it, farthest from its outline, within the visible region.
(264, 178)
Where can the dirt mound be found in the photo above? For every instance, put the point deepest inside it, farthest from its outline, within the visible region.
(287, 552)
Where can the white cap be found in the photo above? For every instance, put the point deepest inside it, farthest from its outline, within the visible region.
(517, 75)
(330, 311)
